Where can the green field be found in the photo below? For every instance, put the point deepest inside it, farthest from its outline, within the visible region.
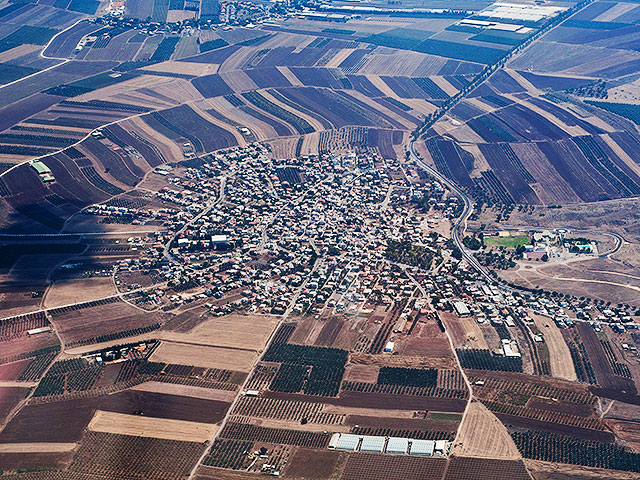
(445, 417)
(627, 110)
(507, 242)
(10, 72)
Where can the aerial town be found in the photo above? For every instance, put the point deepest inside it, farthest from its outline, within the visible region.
(319, 240)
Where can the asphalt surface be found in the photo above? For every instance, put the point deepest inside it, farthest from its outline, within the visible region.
(460, 226)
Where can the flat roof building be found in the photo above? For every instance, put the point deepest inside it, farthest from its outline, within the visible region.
(422, 448)
(333, 443)
(348, 441)
(461, 309)
(40, 167)
(397, 445)
(372, 444)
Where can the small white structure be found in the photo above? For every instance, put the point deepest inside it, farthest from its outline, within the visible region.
(35, 331)
(219, 239)
(510, 348)
(441, 447)
(461, 309)
(333, 443)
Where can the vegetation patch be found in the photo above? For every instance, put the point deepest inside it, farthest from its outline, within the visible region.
(507, 242)
(460, 51)
(403, 251)
(165, 50)
(485, 360)
(89, 84)
(626, 110)
(84, 6)
(414, 377)
(341, 31)
(27, 35)
(553, 447)
(401, 38)
(213, 44)
(324, 377)
(501, 38)
(9, 72)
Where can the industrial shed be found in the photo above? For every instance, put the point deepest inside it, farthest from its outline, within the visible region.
(423, 448)
(371, 444)
(397, 445)
(348, 441)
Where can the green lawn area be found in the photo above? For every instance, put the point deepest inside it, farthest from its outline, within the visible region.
(445, 417)
(507, 242)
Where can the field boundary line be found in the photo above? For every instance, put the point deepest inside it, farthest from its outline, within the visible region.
(63, 62)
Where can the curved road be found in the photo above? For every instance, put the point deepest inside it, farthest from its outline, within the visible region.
(462, 220)
(461, 224)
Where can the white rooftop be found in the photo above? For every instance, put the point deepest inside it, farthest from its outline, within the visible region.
(422, 447)
(348, 441)
(397, 445)
(372, 444)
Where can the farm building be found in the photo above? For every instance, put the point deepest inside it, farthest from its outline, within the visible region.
(510, 348)
(397, 445)
(372, 444)
(40, 167)
(441, 446)
(461, 309)
(348, 441)
(389, 445)
(423, 448)
(43, 171)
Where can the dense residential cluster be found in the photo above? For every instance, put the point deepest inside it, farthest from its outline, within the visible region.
(367, 241)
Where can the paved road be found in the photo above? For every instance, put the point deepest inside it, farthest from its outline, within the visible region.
(63, 60)
(208, 206)
(460, 226)
(461, 223)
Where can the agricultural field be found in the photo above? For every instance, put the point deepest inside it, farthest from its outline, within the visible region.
(240, 240)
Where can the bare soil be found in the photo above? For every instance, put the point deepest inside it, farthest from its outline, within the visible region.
(561, 364)
(210, 473)
(35, 460)
(9, 398)
(483, 435)
(312, 464)
(160, 405)
(141, 426)
(465, 331)
(12, 371)
(361, 373)
(41, 423)
(65, 292)
(224, 396)
(627, 431)
(204, 356)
